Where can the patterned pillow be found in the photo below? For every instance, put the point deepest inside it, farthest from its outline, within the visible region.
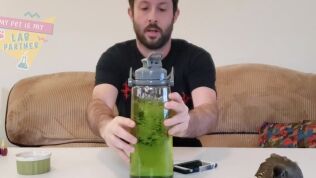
(288, 135)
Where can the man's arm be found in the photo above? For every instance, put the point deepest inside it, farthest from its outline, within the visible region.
(104, 122)
(101, 107)
(200, 120)
(204, 116)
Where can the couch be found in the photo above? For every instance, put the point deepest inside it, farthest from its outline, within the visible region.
(50, 110)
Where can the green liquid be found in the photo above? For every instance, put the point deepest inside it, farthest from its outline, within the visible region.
(153, 156)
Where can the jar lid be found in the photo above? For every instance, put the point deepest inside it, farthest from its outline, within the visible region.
(33, 156)
(152, 73)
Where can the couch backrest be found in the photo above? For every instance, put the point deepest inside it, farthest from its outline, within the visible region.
(251, 94)
(50, 110)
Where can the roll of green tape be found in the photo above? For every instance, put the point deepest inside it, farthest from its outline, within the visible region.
(34, 162)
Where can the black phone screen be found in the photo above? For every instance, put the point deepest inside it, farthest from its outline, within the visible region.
(192, 164)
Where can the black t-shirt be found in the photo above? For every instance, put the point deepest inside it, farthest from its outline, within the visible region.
(193, 67)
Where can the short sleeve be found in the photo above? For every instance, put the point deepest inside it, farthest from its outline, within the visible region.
(202, 72)
(108, 69)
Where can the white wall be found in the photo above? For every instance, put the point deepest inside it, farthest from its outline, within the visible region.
(273, 32)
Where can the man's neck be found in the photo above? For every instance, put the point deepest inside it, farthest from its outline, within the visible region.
(146, 52)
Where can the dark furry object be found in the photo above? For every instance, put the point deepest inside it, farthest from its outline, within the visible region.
(277, 166)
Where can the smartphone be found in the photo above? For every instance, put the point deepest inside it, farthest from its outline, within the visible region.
(193, 166)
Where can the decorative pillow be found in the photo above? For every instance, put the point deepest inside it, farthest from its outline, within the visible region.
(288, 135)
(307, 134)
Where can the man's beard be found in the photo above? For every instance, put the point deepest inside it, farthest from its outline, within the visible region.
(153, 45)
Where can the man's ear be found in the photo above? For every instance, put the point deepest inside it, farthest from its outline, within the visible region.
(130, 13)
(176, 15)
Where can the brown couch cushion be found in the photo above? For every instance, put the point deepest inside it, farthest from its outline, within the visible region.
(251, 94)
(230, 140)
(50, 110)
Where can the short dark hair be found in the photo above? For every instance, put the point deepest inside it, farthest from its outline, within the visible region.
(174, 2)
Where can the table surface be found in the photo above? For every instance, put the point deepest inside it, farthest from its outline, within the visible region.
(103, 162)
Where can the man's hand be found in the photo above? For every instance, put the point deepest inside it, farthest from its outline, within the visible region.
(179, 123)
(117, 136)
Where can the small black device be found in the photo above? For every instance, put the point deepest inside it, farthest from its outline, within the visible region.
(193, 166)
